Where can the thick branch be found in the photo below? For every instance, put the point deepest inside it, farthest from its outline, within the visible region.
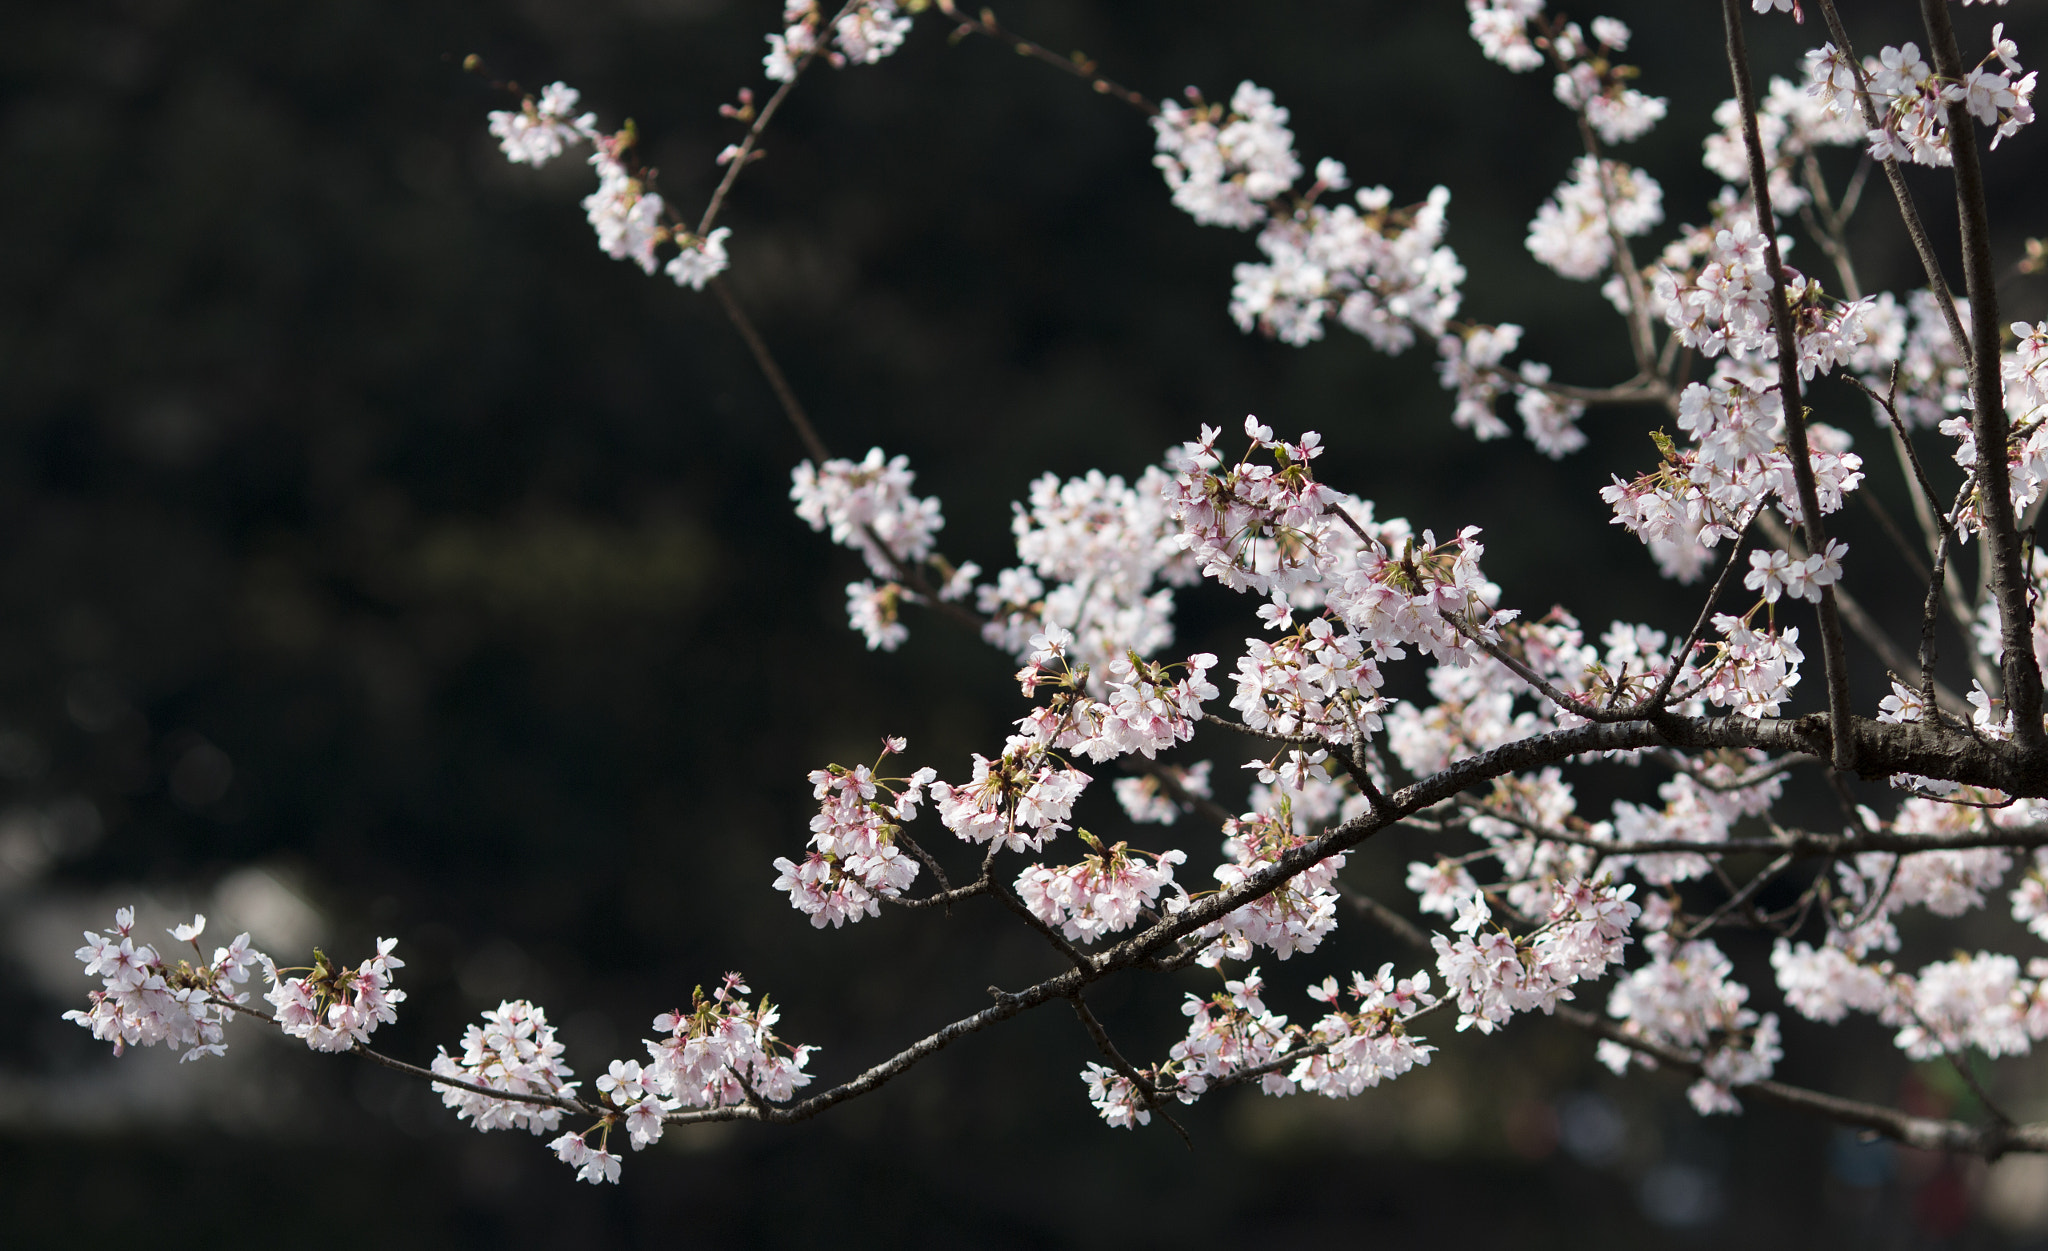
(1987, 400)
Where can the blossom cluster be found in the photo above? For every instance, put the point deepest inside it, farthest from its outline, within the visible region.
(1092, 552)
(1224, 163)
(627, 214)
(1793, 121)
(1912, 101)
(1574, 231)
(144, 999)
(862, 34)
(1380, 270)
(1698, 808)
(1383, 272)
(1316, 680)
(1477, 707)
(2022, 372)
(1709, 491)
(1685, 998)
(1270, 529)
(1018, 800)
(1979, 1001)
(719, 1052)
(1147, 705)
(1103, 894)
(854, 861)
(1349, 1052)
(514, 1050)
(334, 1007)
(868, 506)
(1493, 975)
(1232, 1037)
(1295, 917)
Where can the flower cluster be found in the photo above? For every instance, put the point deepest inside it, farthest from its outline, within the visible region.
(719, 1053)
(1697, 809)
(1222, 163)
(1707, 492)
(1713, 287)
(1103, 894)
(723, 1051)
(334, 1007)
(1274, 530)
(1383, 272)
(1149, 708)
(1593, 84)
(144, 999)
(854, 861)
(543, 128)
(1092, 551)
(1253, 527)
(1574, 231)
(1684, 998)
(1316, 680)
(1588, 80)
(1778, 572)
(1295, 917)
(1501, 28)
(1020, 799)
(863, 34)
(1229, 1032)
(515, 1051)
(868, 506)
(1792, 121)
(1494, 975)
(628, 215)
(1353, 1051)
(1471, 364)
(2022, 370)
(1749, 670)
(1912, 101)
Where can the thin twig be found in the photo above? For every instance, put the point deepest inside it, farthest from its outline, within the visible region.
(1077, 65)
(1833, 660)
(745, 155)
(1146, 1091)
(765, 360)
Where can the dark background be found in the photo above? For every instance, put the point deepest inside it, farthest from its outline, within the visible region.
(378, 558)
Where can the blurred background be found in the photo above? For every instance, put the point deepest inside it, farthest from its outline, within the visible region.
(378, 558)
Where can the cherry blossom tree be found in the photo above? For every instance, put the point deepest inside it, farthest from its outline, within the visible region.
(1532, 901)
